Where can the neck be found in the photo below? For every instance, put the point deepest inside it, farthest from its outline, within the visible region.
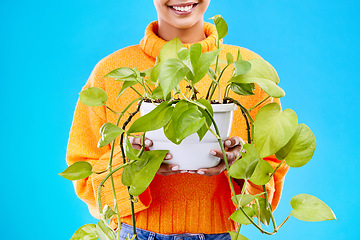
(186, 35)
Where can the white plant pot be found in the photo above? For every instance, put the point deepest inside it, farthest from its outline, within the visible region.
(193, 154)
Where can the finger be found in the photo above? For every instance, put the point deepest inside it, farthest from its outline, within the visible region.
(233, 141)
(138, 141)
(137, 147)
(219, 154)
(231, 155)
(168, 156)
(212, 171)
(168, 169)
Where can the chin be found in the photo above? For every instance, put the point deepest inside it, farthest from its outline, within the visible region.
(185, 24)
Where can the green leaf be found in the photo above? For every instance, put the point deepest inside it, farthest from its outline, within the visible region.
(183, 53)
(78, 170)
(171, 73)
(245, 200)
(245, 89)
(201, 67)
(128, 237)
(245, 166)
(143, 177)
(262, 69)
(147, 72)
(221, 26)
(309, 208)
(104, 231)
(239, 217)
(157, 93)
(273, 128)
(125, 86)
(155, 119)
(239, 57)
(229, 58)
(186, 120)
(262, 73)
(127, 176)
(203, 130)
(107, 212)
(240, 237)
(262, 172)
(241, 67)
(93, 97)
(88, 232)
(170, 49)
(108, 132)
(130, 152)
(212, 74)
(264, 212)
(121, 73)
(268, 86)
(189, 122)
(154, 75)
(170, 130)
(195, 53)
(300, 149)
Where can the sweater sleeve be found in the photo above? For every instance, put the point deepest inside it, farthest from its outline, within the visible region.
(82, 146)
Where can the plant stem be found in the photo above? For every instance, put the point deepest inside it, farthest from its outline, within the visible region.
(247, 126)
(217, 135)
(237, 232)
(253, 223)
(277, 229)
(124, 160)
(110, 168)
(269, 208)
(111, 110)
(259, 212)
(142, 145)
(208, 92)
(253, 107)
(136, 91)
(218, 81)
(277, 167)
(242, 191)
(106, 178)
(242, 107)
(227, 91)
(246, 115)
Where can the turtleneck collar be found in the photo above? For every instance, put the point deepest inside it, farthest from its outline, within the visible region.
(152, 43)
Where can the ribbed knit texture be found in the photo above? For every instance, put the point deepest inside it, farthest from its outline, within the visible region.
(181, 203)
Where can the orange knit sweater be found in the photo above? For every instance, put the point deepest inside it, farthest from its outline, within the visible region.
(181, 203)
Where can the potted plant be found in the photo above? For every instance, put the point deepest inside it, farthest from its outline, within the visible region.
(182, 114)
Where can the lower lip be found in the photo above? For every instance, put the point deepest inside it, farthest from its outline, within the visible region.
(183, 13)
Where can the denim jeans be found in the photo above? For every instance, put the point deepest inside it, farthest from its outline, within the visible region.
(147, 235)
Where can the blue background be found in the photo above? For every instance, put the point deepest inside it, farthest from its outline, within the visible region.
(48, 50)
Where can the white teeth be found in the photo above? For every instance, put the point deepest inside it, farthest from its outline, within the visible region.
(183, 9)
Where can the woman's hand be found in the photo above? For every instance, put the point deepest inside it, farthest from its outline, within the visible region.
(165, 169)
(233, 147)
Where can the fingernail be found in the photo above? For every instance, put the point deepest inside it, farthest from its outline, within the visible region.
(175, 168)
(200, 172)
(228, 143)
(212, 152)
(147, 143)
(184, 171)
(167, 156)
(192, 172)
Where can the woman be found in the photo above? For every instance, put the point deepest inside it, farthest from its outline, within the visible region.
(190, 204)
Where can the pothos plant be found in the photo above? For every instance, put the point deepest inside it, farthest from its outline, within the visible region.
(183, 112)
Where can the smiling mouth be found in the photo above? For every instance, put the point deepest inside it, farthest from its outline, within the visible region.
(183, 8)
